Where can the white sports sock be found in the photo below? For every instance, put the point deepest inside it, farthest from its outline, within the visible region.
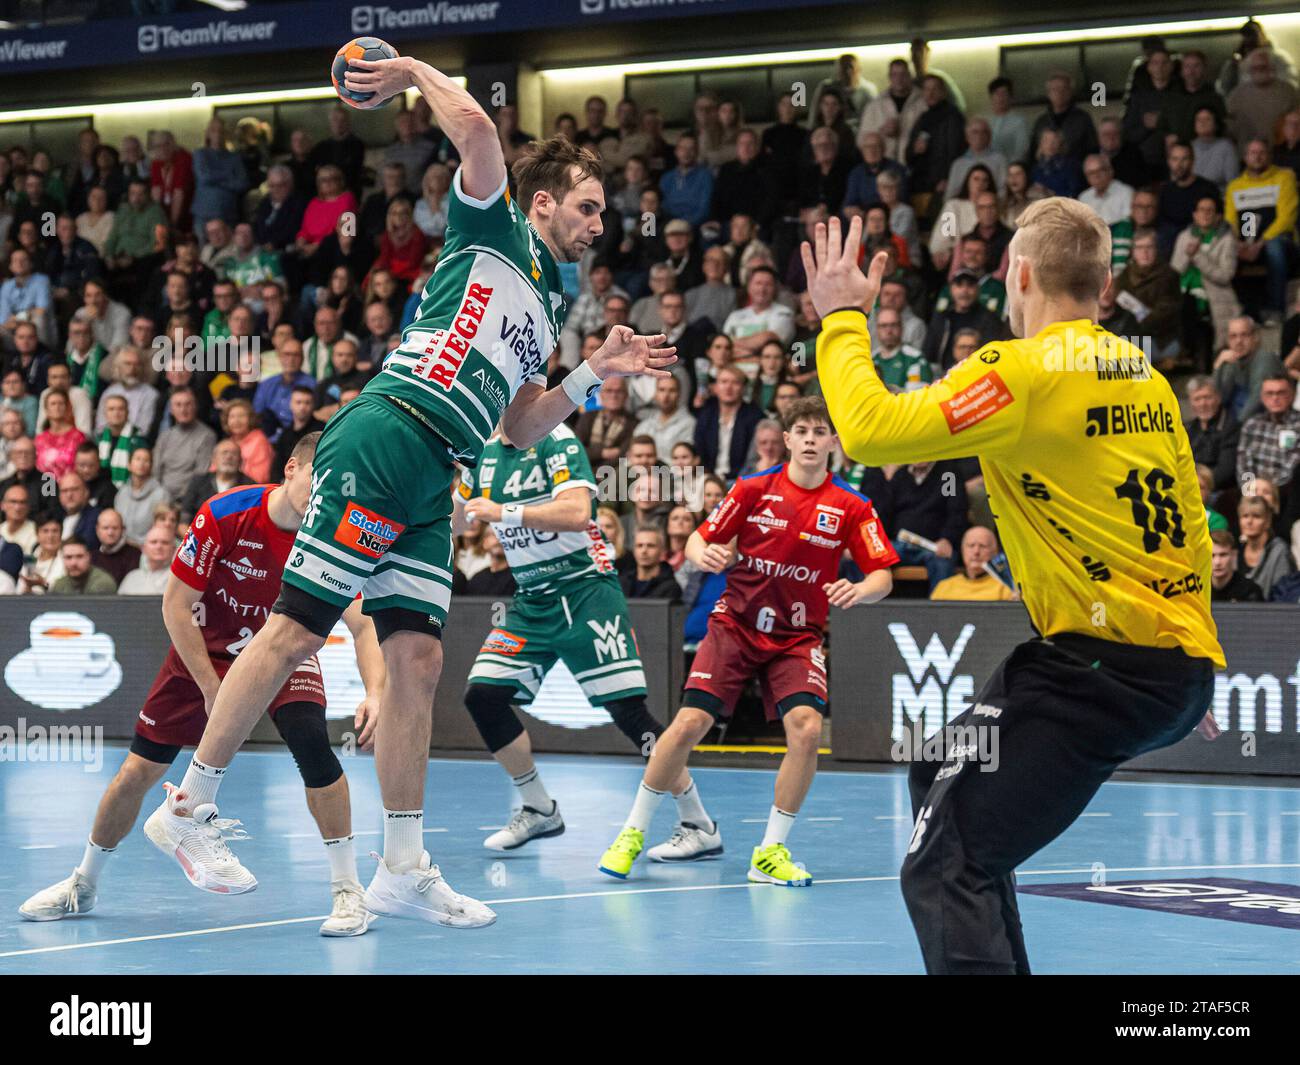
(643, 809)
(690, 810)
(343, 859)
(779, 824)
(403, 839)
(93, 860)
(200, 784)
(533, 792)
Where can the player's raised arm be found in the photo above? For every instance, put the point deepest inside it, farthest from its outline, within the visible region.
(978, 407)
(466, 124)
(534, 412)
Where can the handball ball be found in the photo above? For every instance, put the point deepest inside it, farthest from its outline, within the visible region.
(370, 48)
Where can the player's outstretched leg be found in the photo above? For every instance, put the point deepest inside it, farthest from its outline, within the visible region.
(538, 816)
(302, 726)
(771, 862)
(185, 826)
(664, 772)
(118, 809)
(407, 884)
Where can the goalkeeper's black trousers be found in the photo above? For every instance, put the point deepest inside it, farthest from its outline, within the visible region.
(1067, 711)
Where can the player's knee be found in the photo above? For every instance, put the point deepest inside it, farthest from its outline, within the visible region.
(803, 729)
(635, 721)
(689, 726)
(302, 726)
(292, 640)
(489, 708)
(414, 660)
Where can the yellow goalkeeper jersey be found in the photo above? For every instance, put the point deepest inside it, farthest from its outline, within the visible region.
(1088, 468)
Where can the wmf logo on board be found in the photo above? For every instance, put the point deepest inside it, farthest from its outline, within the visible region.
(931, 692)
(67, 665)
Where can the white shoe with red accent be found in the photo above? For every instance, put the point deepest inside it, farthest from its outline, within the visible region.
(199, 846)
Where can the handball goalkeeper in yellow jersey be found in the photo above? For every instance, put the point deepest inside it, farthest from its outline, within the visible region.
(1091, 479)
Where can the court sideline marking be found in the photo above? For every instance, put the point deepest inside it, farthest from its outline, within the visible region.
(1089, 870)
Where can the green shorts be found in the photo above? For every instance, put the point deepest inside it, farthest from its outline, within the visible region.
(584, 624)
(378, 522)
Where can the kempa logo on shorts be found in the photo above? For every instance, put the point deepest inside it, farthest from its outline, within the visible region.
(367, 18)
(77, 1018)
(154, 38)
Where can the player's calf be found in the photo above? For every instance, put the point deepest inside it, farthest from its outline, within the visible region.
(118, 809)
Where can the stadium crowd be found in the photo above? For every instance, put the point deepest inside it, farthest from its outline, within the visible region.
(132, 269)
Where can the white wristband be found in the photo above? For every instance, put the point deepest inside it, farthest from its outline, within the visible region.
(581, 384)
(512, 514)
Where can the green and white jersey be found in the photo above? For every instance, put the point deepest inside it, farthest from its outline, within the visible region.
(489, 319)
(541, 561)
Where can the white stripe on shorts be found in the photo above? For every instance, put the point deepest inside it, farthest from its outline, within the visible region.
(614, 682)
(341, 556)
(609, 667)
(415, 563)
(384, 583)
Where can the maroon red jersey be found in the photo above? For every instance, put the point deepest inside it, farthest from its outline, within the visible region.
(234, 554)
(789, 541)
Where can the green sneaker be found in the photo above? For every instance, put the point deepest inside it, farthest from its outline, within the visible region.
(772, 865)
(617, 861)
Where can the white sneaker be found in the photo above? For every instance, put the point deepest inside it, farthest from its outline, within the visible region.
(349, 916)
(526, 824)
(688, 843)
(67, 898)
(200, 848)
(424, 895)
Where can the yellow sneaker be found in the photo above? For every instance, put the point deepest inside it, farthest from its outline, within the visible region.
(617, 861)
(772, 865)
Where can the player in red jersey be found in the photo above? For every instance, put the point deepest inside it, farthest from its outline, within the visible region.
(786, 530)
(224, 578)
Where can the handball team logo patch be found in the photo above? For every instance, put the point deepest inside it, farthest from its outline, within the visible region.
(365, 531)
(828, 523)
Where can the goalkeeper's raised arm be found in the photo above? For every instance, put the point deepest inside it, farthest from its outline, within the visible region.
(466, 124)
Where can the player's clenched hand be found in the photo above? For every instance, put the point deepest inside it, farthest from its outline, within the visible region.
(843, 593)
(366, 717)
(835, 280)
(384, 77)
(626, 353)
(717, 557)
(480, 509)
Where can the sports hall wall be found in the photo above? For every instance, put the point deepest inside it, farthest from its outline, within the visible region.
(89, 662)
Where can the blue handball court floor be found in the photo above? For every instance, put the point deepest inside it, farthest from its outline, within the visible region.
(1171, 876)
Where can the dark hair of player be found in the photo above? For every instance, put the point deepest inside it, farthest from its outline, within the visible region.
(305, 450)
(808, 409)
(548, 166)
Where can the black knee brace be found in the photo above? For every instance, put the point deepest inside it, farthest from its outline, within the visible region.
(302, 726)
(635, 722)
(489, 707)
